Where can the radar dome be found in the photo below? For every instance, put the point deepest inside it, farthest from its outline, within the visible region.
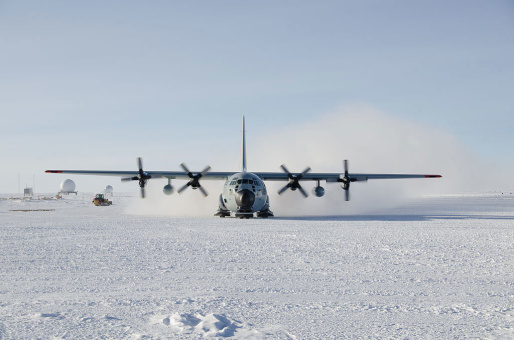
(68, 186)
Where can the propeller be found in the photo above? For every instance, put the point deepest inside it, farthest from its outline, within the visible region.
(194, 181)
(142, 177)
(294, 181)
(346, 180)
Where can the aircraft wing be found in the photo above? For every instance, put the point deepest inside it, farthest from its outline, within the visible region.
(267, 176)
(153, 174)
(337, 177)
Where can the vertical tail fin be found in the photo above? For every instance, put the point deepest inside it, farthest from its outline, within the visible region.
(243, 148)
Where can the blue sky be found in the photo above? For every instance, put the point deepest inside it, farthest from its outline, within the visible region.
(95, 84)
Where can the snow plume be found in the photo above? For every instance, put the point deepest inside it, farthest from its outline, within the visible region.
(372, 141)
(189, 203)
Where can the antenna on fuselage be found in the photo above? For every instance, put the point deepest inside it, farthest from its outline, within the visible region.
(243, 147)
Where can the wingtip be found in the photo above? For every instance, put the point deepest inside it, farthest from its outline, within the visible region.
(53, 171)
(433, 176)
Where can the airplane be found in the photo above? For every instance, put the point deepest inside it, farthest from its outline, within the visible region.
(244, 193)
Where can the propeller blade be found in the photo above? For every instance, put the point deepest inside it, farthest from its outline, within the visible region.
(285, 169)
(204, 192)
(140, 164)
(346, 181)
(304, 193)
(184, 187)
(142, 192)
(307, 169)
(289, 174)
(287, 186)
(204, 171)
(186, 170)
(135, 178)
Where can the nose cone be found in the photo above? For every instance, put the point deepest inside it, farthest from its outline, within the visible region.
(245, 199)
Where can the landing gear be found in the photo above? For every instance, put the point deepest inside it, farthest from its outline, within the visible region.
(222, 213)
(265, 214)
(244, 213)
(222, 209)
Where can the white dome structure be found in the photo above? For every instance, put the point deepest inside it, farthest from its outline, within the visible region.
(68, 186)
(108, 190)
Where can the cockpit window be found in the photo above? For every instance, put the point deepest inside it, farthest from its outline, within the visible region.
(238, 181)
(250, 181)
(245, 181)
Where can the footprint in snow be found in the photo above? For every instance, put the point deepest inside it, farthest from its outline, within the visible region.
(207, 325)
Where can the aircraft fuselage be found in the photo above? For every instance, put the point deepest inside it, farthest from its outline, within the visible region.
(244, 193)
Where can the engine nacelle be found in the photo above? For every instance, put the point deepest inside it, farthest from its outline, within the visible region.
(318, 191)
(168, 189)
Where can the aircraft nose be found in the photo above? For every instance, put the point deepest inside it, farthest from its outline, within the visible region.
(245, 198)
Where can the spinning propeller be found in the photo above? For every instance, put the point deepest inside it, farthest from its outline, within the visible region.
(294, 181)
(194, 181)
(142, 177)
(345, 181)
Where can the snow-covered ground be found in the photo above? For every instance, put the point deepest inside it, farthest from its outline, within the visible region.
(438, 267)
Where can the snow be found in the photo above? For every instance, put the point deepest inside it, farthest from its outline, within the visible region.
(436, 267)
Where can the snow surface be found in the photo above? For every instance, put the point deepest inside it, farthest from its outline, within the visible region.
(438, 267)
